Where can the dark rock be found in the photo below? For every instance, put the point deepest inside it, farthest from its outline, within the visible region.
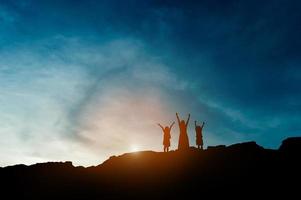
(218, 147)
(292, 144)
(245, 146)
(244, 169)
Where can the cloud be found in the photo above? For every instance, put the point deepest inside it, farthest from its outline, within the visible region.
(125, 104)
(36, 93)
(64, 95)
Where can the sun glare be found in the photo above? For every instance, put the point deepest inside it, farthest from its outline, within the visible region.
(134, 148)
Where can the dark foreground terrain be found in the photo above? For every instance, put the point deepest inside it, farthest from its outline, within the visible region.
(241, 170)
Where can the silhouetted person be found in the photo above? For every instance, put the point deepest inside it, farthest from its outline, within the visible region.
(166, 136)
(199, 134)
(183, 137)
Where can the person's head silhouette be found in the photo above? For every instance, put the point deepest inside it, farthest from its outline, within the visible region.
(182, 123)
(166, 128)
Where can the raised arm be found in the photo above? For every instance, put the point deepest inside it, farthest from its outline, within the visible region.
(178, 118)
(195, 124)
(203, 124)
(188, 119)
(171, 125)
(161, 126)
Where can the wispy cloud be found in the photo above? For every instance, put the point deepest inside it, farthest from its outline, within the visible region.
(110, 95)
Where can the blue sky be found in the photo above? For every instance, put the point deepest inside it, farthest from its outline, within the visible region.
(84, 80)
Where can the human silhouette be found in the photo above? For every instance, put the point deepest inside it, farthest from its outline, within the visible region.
(166, 136)
(199, 134)
(183, 137)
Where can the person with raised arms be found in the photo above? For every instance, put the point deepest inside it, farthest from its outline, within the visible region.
(166, 136)
(199, 135)
(183, 137)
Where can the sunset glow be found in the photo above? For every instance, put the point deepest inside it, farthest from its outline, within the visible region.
(134, 148)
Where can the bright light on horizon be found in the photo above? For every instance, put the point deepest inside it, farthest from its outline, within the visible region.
(134, 148)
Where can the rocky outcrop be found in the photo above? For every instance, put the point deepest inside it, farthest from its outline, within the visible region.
(241, 169)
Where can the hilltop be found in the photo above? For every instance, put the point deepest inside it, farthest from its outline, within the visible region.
(244, 168)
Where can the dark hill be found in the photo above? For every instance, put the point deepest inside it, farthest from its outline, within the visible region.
(240, 169)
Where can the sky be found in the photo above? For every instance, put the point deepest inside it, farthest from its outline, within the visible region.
(85, 80)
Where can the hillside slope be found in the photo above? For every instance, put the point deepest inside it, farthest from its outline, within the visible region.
(244, 168)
